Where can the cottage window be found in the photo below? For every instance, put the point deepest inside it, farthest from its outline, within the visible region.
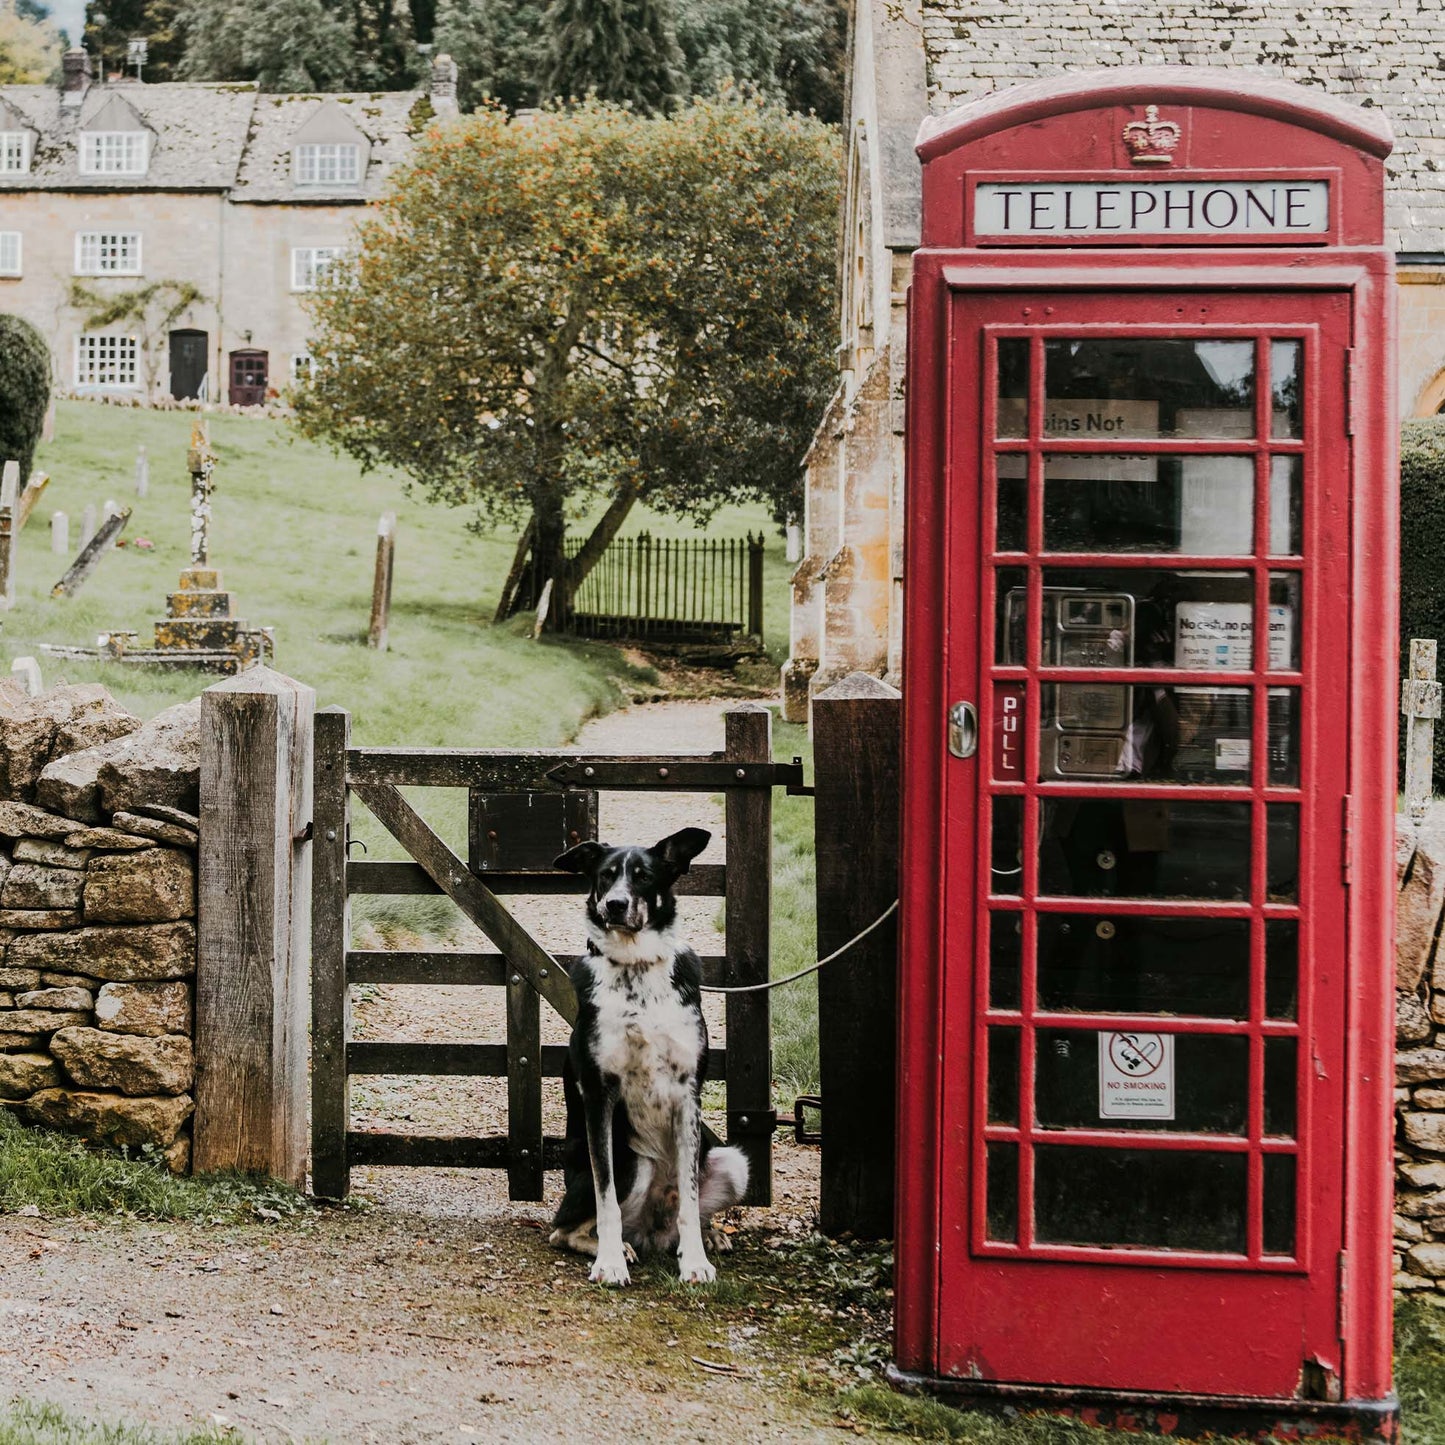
(107, 253)
(104, 359)
(114, 153)
(14, 152)
(310, 265)
(9, 253)
(303, 367)
(328, 164)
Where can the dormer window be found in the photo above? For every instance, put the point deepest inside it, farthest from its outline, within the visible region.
(328, 164)
(14, 152)
(114, 152)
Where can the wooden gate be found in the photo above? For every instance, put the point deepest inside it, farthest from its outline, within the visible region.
(743, 772)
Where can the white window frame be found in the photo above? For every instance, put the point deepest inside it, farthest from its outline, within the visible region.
(311, 264)
(115, 152)
(15, 148)
(328, 163)
(107, 361)
(108, 253)
(11, 253)
(303, 367)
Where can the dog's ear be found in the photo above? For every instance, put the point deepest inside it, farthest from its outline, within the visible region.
(581, 859)
(681, 848)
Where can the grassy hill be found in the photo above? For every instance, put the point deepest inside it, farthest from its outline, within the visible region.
(294, 534)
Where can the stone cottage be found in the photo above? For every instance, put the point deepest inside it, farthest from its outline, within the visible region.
(913, 58)
(202, 212)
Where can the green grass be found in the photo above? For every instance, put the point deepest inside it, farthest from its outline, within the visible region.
(795, 929)
(59, 1175)
(294, 534)
(26, 1423)
(1420, 1371)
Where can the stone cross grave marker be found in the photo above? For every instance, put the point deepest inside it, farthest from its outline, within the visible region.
(1420, 704)
(200, 462)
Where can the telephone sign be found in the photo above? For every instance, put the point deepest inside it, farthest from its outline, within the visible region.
(1146, 1003)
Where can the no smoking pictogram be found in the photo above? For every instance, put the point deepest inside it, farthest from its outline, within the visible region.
(1136, 1075)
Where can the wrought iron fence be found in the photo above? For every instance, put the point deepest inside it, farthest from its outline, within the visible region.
(670, 589)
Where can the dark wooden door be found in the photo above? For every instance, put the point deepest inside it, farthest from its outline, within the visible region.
(248, 378)
(188, 363)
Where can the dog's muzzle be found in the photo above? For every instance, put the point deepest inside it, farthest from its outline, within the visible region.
(624, 911)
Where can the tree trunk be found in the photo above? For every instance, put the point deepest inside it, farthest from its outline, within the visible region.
(549, 556)
(597, 543)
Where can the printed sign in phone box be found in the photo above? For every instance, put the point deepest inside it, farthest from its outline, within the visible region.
(1136, 1075)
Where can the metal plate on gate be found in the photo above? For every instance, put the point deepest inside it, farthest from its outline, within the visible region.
(522, 832)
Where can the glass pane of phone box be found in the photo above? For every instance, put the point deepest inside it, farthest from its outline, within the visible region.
(1148, 848)
(1102, 387)
(1145, 1198)
(1197, 967)
(1211, 1092)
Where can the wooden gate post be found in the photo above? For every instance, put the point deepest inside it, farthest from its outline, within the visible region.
(254, 931)
(749, 815)
(331, 937)
(856, 727)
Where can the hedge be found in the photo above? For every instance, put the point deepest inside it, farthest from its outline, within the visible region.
(24, 391)
(1422, 548)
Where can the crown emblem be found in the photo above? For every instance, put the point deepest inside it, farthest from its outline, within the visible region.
(1151, 141)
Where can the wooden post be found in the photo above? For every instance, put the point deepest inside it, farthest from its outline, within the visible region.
(755, 587)
(381, 582)
(1420, 704)
(253, 919)
(749, 815)
(524, 1089)
(330, 937)
(9, 530)
(91, 551)
(30, 497)
(856, 802)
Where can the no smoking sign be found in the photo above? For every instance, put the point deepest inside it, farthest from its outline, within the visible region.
(1136, 1076)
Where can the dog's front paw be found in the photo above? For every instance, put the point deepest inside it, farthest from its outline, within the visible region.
(610, 1271)
(696, 1269)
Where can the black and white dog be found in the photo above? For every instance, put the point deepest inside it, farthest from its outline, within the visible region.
(640, 1176)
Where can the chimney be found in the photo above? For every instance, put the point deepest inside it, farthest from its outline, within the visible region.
(74, 76)
(444, 85)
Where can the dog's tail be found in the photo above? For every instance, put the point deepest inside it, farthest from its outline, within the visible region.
(724, 1181)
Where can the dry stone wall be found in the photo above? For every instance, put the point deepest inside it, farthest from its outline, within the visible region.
(98, 838)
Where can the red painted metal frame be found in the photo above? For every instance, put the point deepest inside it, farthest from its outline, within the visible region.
(1072, 123)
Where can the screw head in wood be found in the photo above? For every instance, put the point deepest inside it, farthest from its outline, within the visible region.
(516, 978)
(662, 772)
(589, 772)
(523, 1061)
(331, 835)
(524, 1153)
(743, 1119)
(541, 973)
(741, 773)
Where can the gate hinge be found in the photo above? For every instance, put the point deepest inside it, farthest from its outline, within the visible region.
(1351, 372)
(751, 1123)
(1347, 824)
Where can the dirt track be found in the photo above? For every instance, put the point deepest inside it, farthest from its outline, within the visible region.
(438, 1314)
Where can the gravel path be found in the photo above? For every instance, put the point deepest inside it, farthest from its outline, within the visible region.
(437, 1314)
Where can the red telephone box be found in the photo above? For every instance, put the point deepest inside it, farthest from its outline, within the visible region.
(1146, 1019)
